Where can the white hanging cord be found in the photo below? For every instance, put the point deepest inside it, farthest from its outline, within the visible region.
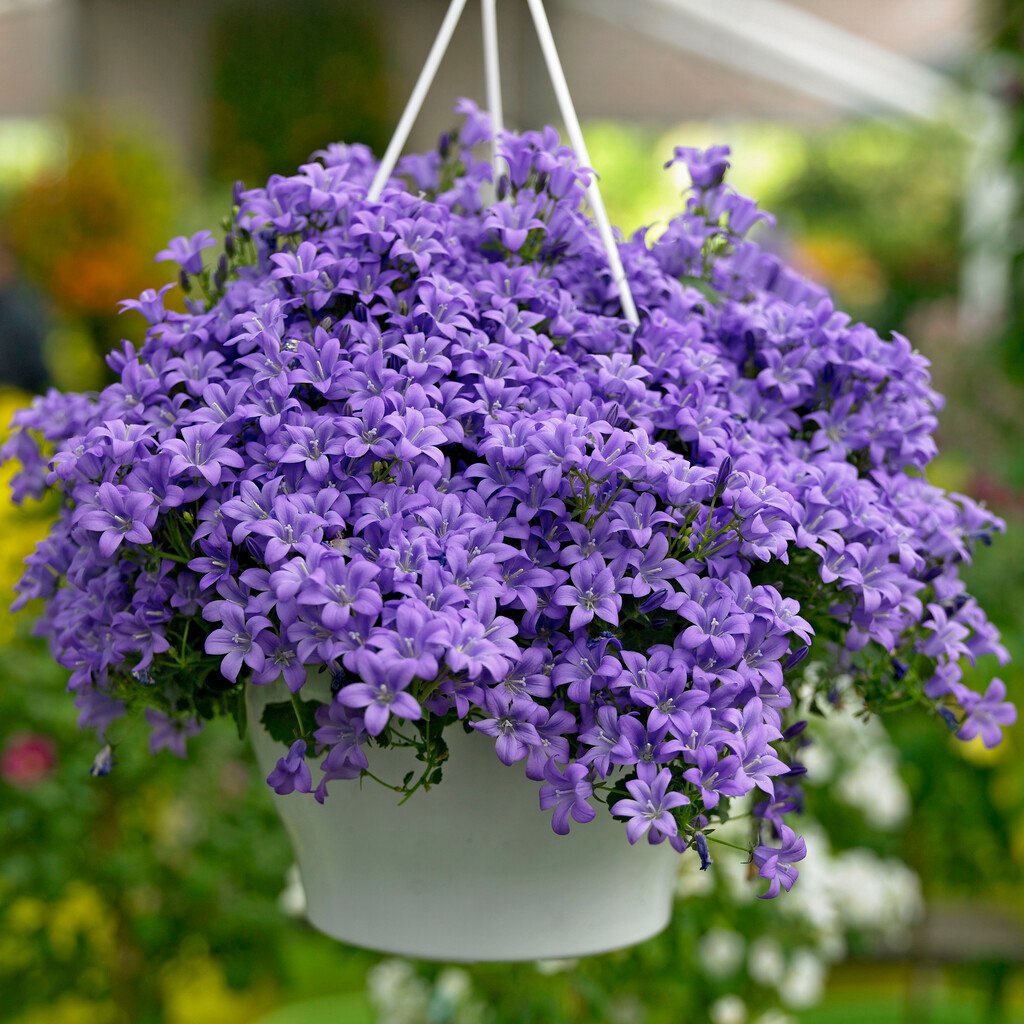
(572, 125)
(492, 78)
(419, 93)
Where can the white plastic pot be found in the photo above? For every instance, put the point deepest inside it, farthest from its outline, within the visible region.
(468, 870)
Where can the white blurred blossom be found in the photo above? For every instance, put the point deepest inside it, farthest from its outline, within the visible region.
(292, 900)
(728, 1010)
(766, 961)
(774, 1017)
(555, 966)
(721, 952)
(804, 982)
(398, 994)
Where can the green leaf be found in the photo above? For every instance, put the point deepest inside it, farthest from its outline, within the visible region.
(282, 719)
(712, 294)
(239, 714)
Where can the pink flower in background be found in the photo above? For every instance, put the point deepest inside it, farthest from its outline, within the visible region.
(27, 760)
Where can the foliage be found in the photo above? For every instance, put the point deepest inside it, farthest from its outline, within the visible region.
(84, 232)
(1002, 72)
(263, 121)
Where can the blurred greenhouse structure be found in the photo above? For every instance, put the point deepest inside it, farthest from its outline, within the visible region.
(888, 138)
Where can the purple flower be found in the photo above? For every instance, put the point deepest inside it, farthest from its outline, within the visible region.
(567, 790)
(511, 724)
(167, 733)
(716, 778)
(343, 733)
(413, 444)
(988, 715)
(592, 592)
(291, 774)
(670, 702)
(776, 863)
(706, 167)
(187, 252)
(118, 515)
(151, 302)
(242, 639)
(381, 692)
(650, 809)
(201, 449)
(418, 435)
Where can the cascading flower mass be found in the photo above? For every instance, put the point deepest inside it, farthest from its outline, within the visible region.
(413, 443)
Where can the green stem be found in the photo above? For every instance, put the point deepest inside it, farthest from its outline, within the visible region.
(732, 846)
(173, 558)
(184, 638)
(298, 714)
(386, 785)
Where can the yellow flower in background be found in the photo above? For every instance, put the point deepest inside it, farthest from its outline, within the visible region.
(20, 528)
(975, 752)
(842, 266)
(82, 915)
(26, 914)
(194, 991)
(72, 1009)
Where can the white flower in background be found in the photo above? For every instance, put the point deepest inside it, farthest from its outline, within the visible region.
(555, 966)
(627, 1010)
(775, 1017)
(811, 901)
(766, 961)
(820, 763)
(721, 952)
(454, 986)
(728, 1010)
(856, 752)
(804, 982)
(453, 1001)
(876, 894)
(854, 890)
(874, 787)
(292, 900)
(398, 994)
(691, 882)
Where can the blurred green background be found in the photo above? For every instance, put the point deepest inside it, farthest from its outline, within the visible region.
(162, 893)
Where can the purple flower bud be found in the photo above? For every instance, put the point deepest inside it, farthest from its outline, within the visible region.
(724, 472)
(795, 657)
(655, 600)
(794, 730)
(220, 275)
(103, 763)
(701, 845)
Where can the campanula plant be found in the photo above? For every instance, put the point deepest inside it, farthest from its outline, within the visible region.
(414, 444)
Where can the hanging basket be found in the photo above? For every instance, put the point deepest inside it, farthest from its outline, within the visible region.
(469, 869)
